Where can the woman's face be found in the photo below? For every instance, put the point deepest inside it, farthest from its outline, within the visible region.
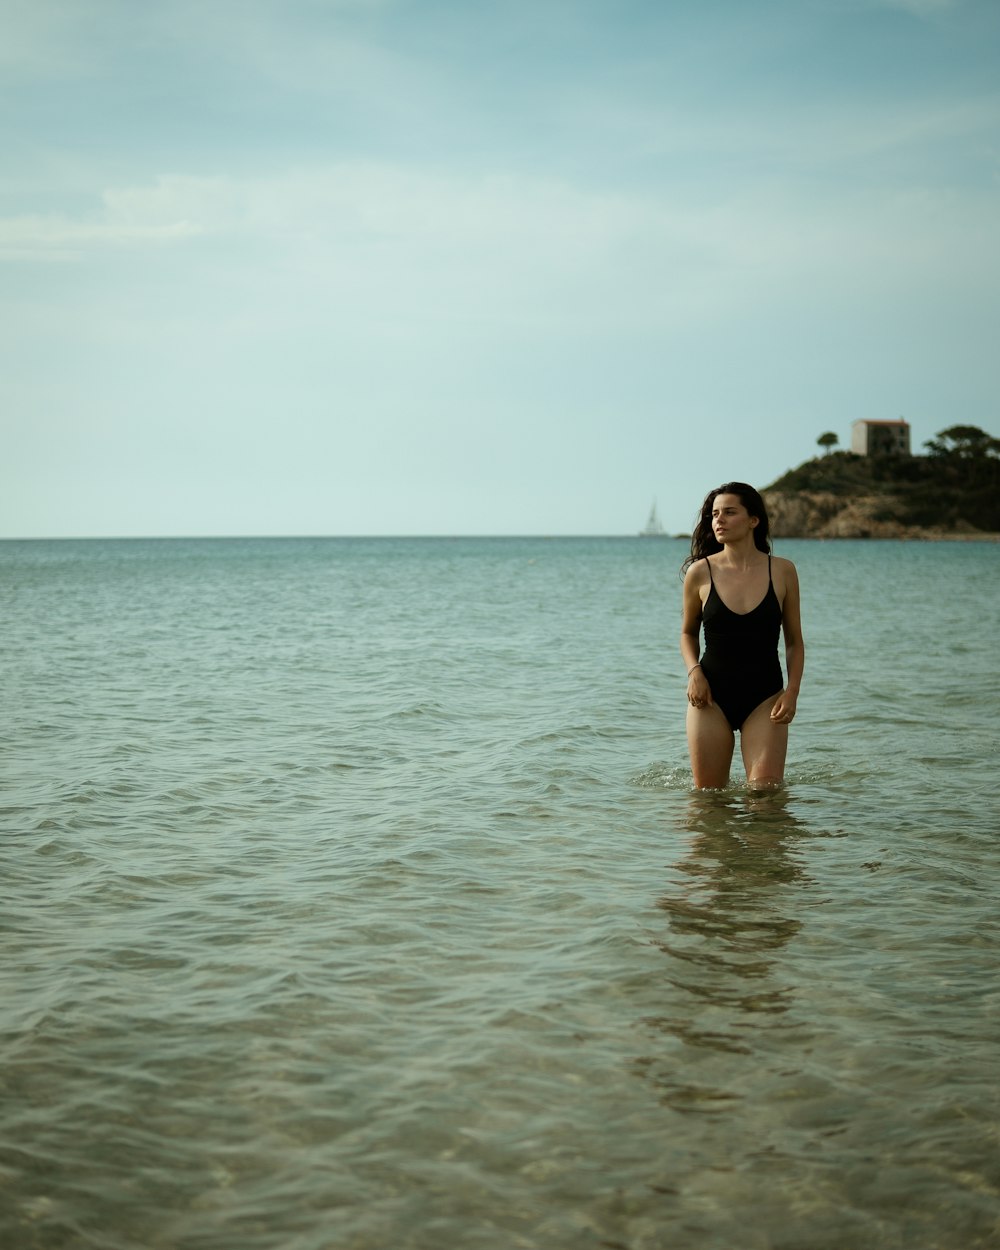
(730, 519)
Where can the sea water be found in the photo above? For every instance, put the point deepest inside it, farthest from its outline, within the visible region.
(356, 895)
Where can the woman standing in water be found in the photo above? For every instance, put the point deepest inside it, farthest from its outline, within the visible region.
(744, 597)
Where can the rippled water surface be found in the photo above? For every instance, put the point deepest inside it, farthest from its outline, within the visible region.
(355, 895)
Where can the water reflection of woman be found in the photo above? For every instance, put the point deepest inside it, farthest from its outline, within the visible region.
(733, 908)
(744, 597)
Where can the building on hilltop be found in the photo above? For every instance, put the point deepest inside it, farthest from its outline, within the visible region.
(881, 438)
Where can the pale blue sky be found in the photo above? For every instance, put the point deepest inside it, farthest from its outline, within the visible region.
(430, 266)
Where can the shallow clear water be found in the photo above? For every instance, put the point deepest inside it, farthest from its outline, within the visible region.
(356, 896)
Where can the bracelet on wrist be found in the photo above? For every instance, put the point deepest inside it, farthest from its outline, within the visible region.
(693, 667)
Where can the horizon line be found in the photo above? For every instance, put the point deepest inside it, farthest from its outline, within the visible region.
(57, 538)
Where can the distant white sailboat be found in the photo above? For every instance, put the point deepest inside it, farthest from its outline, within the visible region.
(654, 529)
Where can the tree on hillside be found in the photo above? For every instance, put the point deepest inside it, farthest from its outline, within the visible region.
(828, 440)
(971, 460)
(968, 442)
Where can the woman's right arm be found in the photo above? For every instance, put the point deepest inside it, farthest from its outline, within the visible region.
(697, 685)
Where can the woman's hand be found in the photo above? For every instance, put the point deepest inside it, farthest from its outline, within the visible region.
(699, 691)
(784, 708)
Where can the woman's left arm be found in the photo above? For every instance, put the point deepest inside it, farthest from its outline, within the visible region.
(795, 648)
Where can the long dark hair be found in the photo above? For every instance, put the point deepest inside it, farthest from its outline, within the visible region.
(703, 541)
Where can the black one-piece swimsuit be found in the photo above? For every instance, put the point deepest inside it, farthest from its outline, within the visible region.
(741, 652)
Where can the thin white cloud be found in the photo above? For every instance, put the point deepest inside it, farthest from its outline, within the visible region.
(348, 204)
(130, 218)
(56, 238)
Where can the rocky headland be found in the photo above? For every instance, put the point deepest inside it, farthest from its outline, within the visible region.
(953, 492)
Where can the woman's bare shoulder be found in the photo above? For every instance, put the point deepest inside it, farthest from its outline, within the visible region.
(784, 574)
(697, 574)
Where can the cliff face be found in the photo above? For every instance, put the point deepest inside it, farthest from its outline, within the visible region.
(821, 514)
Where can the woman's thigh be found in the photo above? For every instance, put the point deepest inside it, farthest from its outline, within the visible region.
(710, 743)
(764, 745)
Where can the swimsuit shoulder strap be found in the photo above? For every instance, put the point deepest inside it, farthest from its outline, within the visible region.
(770, 581)
(710, 577)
